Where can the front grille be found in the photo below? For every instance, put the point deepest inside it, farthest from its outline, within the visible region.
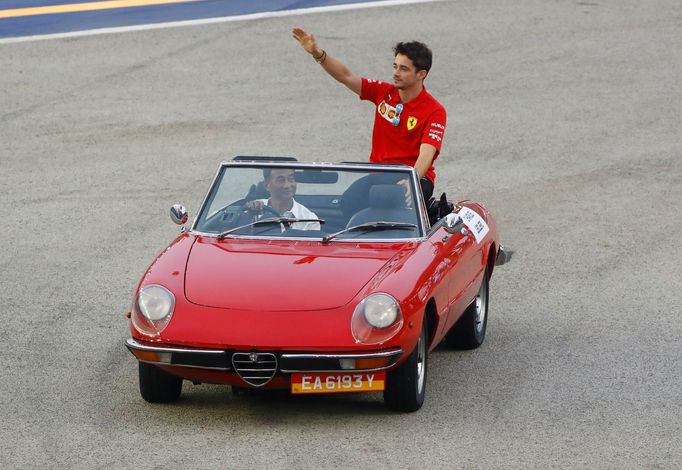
(254, 368)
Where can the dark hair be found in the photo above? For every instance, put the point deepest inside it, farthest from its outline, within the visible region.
(267, 172)
(417, 52)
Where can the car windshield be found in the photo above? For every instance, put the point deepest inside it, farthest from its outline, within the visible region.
(297, 200)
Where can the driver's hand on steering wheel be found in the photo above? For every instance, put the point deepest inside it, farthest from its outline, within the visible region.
(255, 205)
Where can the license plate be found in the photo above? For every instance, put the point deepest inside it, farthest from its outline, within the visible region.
(338, 383)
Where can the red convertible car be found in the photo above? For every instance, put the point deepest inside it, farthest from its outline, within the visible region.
(316, 278)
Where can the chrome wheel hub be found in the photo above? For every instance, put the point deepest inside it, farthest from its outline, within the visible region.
(421, 364)
(481, 307)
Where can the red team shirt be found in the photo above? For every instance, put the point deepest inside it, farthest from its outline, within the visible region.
(422, 121)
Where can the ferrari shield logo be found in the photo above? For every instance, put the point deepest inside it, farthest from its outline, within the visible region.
(411, 122)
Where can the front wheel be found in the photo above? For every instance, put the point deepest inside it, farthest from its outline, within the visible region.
(469, 331)
(158, 386)
(406, 385)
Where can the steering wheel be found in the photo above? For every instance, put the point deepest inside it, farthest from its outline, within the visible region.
(265, 209)
(236, 214)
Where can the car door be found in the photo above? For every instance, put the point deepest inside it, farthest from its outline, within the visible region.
(458, 250)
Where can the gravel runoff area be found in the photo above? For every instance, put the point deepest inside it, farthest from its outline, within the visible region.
(564, 118)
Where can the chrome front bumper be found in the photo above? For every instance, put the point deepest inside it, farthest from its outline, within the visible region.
(287, 362)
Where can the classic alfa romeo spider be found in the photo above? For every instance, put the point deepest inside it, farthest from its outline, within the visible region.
(315, 278)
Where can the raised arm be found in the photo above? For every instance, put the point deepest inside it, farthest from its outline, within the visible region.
(331, 65)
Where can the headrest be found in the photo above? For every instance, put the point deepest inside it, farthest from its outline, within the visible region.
(387, 196)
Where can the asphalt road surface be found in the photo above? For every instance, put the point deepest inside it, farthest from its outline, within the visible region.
(564, 118)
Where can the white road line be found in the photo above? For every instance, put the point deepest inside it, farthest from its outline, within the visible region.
(224, 19)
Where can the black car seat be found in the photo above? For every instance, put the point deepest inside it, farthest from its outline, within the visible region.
(438, 208)
(386, 204)
(356, 196)
(257, 191)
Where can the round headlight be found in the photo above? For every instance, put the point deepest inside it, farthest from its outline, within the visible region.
(155, 302)
(381, 310)
(376, 319)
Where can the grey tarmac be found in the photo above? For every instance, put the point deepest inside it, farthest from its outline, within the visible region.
(564, 118)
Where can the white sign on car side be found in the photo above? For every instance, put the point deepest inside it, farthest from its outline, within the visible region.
(474, 223)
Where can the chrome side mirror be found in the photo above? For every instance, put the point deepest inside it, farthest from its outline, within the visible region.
(178, 214)
(453, 223)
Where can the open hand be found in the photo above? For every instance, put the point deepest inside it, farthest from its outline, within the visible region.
(306, 40)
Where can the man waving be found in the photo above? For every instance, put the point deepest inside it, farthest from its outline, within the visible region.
(409, 124)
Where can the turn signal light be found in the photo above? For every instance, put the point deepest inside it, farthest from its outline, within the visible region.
(371, 363)
(149, 356)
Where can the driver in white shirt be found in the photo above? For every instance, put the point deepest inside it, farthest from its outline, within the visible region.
(281, 185)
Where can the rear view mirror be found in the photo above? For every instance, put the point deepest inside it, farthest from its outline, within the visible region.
(453, 223)
(316, 176)
(178, 214)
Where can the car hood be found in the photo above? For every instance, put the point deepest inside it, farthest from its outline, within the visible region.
(280, 275)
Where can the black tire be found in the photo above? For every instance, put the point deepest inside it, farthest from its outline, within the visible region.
(469, 331)
(406, 386)
(157, 386)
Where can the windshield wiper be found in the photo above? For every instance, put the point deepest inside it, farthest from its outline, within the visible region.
(271, 220)
(369, 226)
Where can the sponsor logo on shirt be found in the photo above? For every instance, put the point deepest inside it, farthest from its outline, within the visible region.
(387, 111)
(436, 131)
(411, 122)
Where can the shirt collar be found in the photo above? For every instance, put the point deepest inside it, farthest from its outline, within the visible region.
(422, 94)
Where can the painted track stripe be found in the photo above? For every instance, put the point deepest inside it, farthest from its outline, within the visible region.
(224, 19)
(90, 6)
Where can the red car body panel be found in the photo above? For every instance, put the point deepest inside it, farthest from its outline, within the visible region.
(225, 378)
(282, 275)
(299, 295)
(237, 303)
